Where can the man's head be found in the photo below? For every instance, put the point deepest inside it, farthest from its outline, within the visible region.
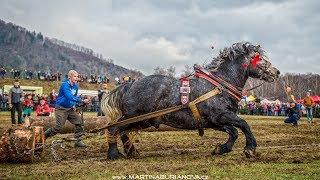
(308, 93)
(292, 104)
(73, 76)
(104, 86)
(16, 83)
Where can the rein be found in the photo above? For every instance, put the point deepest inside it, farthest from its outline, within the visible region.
(255, 87)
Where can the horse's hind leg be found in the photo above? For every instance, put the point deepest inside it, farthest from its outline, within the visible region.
(112, 134)
(128, 146)
(113, 151)
(226, 147)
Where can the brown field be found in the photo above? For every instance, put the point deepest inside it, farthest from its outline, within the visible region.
(284, 152)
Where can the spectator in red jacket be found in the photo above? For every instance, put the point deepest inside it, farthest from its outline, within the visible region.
(43, 109)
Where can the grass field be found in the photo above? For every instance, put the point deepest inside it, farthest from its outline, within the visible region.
(284, 152)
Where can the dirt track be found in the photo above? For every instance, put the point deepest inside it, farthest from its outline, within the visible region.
(279, 146)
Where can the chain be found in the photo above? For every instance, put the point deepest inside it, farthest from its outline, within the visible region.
(20, 154)
(53, 151)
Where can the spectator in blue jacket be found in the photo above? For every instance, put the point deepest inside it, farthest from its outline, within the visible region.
(66, 108)
(293, 115)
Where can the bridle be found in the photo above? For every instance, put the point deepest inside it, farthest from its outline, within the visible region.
(264, 68)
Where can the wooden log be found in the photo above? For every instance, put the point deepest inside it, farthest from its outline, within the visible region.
(46, 122)
(17, 143)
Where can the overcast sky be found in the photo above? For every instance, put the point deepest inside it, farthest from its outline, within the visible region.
(150, 33)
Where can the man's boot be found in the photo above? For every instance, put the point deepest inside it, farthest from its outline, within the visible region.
(79, 143)
(47, 134)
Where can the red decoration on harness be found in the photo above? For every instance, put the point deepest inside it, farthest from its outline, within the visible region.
(184, 90)
(255, 60)
(245, 65)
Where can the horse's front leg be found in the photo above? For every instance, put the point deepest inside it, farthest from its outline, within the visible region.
(230, 119)
(251, 143)
(226, 147)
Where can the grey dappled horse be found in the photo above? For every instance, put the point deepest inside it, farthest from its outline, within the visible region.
(158, 92)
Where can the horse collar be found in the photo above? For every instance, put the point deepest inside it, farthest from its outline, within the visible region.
(219, 82)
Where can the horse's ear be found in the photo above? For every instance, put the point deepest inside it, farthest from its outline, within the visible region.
(245, 48)
(258, 47)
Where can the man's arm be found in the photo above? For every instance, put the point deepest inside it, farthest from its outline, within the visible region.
(9, 97)
(312, 102)
(21, 93)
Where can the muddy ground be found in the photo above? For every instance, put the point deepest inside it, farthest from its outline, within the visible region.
(283, 151)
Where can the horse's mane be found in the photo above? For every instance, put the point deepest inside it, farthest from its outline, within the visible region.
(232, 53)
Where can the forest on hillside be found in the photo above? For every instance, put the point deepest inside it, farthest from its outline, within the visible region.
(25, 50)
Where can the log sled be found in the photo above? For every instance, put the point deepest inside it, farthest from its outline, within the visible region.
(19, 144)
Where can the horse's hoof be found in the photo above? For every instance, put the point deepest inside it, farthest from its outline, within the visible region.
(133, 154)
(249, 153)
(115, 156)
(217, 150)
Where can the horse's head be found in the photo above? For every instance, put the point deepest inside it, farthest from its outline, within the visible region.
(257, 65)
(243, 59)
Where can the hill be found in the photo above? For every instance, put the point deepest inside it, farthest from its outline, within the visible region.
(22, 49)
(49, 85)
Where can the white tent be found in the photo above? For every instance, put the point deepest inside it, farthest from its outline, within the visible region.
(265, 101)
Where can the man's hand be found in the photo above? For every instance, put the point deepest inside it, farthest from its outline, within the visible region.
(86, 101)
(10, 106)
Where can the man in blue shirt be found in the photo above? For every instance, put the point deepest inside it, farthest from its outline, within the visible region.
(66, 108)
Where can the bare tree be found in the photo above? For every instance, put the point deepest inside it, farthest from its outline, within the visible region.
(171, 71)
(159, 71)
(186, 71)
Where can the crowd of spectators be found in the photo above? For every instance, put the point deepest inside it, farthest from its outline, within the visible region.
(49, 100)
(57, 76)
(29, 75)
(270, 109)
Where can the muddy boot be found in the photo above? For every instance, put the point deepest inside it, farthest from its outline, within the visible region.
(79, 143)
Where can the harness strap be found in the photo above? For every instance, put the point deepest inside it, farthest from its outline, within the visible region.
(220, 81)
(194, 109)
(212, 81)
(166, 111)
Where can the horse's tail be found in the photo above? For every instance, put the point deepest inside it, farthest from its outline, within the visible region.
(111, 104)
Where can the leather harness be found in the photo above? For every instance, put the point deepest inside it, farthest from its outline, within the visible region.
(220, 84)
